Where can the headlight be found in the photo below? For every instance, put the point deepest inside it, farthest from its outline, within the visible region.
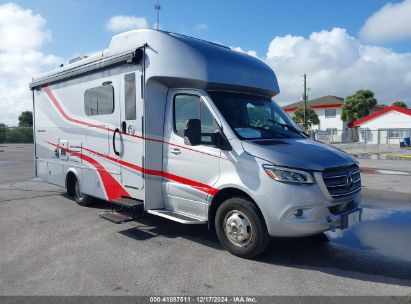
(286, 175)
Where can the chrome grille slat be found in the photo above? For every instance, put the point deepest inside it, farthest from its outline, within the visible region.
(334, 186)
(348, 193)
(335, 179)
(335, 176)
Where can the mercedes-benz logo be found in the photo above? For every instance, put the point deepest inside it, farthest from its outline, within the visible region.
(350, 180)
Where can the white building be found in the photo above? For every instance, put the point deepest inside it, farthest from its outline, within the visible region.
(387, 126)
(328, 109)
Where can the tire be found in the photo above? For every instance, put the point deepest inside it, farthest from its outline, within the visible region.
(80, 198)
(247, 235)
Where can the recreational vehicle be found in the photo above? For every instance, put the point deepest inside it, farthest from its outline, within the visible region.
(187, 130)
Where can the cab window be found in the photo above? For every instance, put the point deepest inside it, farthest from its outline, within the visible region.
(192, 107)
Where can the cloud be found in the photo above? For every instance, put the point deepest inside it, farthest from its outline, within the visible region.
(117, 24)
(201, 27)
(338, 64)
(251, 52)
(391, 22)
(22, 36)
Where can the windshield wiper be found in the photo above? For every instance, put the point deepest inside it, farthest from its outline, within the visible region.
(287, 126)
(270, 131)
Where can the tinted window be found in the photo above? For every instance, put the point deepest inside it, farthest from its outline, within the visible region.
(191, 107)
(99, 101)
(130, 96)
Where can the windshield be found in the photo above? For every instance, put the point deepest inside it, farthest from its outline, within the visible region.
(254, 117)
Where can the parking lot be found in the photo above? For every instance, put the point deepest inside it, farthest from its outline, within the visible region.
(52, 246)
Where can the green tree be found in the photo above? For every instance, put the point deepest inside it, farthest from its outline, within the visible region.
(26, 119)
(19, 135)
(3, 131)
(312, 117)
(380, 107)
(400, 103)
(358, 105)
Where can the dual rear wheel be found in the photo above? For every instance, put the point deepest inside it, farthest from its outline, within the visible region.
(74, 190)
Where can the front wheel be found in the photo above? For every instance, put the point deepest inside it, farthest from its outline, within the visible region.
(240, 228)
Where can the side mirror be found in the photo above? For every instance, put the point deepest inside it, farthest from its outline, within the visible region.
(192, 132)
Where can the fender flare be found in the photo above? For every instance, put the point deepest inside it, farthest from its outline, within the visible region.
(74, 171)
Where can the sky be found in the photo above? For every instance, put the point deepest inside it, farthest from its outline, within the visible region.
(342, 46)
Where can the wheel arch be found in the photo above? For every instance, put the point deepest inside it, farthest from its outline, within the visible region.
(223, 195)
(71, 176)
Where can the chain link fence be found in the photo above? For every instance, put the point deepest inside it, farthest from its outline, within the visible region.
(17, 167)
(366, 141)
(16, 154)
(16, 135)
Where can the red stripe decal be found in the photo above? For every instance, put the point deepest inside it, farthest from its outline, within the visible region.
(200, 186)
(113, 189)
(58, 107)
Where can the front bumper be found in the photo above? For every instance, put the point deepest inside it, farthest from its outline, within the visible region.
(319, 213)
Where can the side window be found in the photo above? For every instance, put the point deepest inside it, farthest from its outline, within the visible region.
(185, 107)
(330, 113)
(130, 96)
(191, 107)
(99, 100)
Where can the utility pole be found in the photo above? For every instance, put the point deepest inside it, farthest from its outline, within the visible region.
(157, 7)
(305, 101)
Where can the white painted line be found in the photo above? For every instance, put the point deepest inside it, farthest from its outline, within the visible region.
(391, 172)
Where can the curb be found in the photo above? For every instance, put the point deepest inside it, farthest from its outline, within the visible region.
(367, 170)
(386, 195)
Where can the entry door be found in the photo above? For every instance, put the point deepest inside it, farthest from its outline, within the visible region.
(132, 146)
(189, 165)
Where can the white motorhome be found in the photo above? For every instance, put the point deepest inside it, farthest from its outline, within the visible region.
(187, 130)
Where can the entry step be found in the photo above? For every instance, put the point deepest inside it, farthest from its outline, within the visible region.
(176, 216)
(116, 217)
(128, 202)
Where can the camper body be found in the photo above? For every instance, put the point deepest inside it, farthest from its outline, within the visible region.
(187, 129)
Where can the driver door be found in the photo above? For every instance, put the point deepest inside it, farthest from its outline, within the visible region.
(188, 164)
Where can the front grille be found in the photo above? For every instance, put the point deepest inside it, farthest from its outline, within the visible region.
(339, 183)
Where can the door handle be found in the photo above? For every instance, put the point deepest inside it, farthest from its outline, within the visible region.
(175, 151)
(114, 141)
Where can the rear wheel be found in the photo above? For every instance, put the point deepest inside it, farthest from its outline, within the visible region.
(240, 228)
(74, 190)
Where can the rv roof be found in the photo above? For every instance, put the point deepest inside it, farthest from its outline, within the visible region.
(176, 56)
